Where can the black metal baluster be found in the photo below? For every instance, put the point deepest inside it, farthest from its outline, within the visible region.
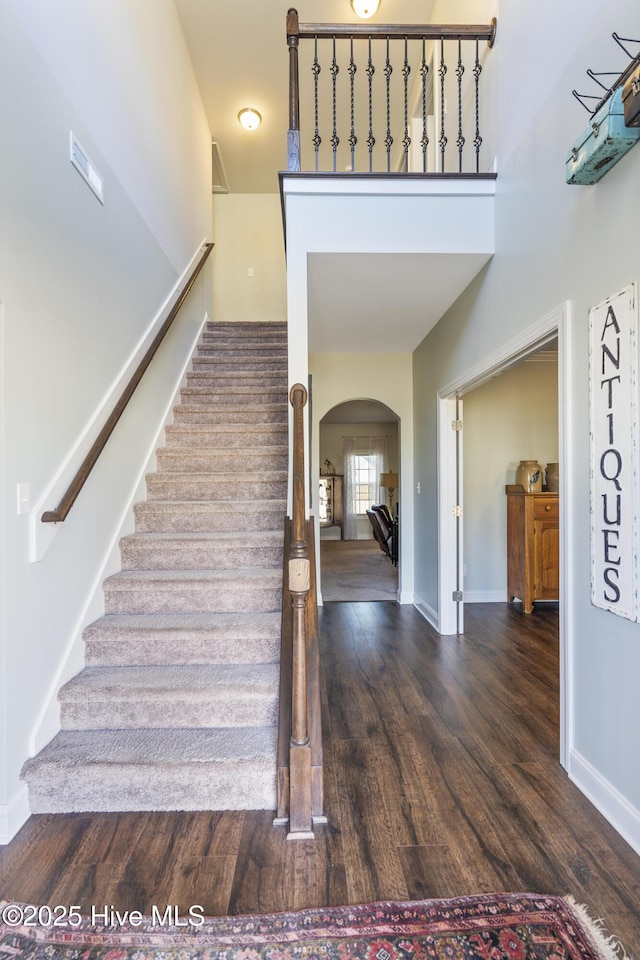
(406, 71)
(459, 75)
(370, 139)
(388, 140)
(352, 136)
(424, 71)
(315, 69)
(335, 139)
(442, 70)
(477, 70)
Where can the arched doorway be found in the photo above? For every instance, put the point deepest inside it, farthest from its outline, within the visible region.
(357, 501)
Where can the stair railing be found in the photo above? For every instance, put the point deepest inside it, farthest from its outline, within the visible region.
(300, 770)
(378, 117)
(72, 492)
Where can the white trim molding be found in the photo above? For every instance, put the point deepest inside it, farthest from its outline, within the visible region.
(427, 611)
(614, 807)
(14, 815)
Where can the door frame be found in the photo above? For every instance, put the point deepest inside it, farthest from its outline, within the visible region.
(556, 323)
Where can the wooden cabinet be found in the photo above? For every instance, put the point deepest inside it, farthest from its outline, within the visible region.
(330, 502)
(533, 546)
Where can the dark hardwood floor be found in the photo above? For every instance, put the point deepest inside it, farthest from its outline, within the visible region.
(442, 780)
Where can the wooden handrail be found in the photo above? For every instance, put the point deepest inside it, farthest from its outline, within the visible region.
(300, 776)
(396, 31)
(71, 493)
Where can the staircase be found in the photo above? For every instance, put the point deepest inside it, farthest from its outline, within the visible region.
(176, 708)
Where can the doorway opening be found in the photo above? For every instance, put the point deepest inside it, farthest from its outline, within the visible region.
(358, 510)
(542, 336)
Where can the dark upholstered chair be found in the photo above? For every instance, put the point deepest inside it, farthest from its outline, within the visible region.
(384, 510)
(381, 532)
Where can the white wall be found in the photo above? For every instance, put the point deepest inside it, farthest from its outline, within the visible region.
(386, 378)
(553, 243)
(81, 284)
(248, 233)
(511, 418)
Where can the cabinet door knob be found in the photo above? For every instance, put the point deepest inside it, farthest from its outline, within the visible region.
(548, 506)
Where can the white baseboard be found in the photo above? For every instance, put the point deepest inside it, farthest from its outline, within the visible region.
(405, 596)
(614, 807)
(14, 815)
(427, 611)
(485, 596)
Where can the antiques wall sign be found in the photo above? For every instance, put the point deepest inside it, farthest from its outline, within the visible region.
(613, 387)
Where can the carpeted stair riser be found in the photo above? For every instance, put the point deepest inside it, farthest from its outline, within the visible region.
(113, 698)
(211, 486)
(200, 413)
(214, 435)
(131, 770)
(234, 396)
(245, 365)
(250, 352)
(177, 707)
(194, 591)
(230, 380)
(149, 551)
(226, 461)
(198, 517)
(183, 639)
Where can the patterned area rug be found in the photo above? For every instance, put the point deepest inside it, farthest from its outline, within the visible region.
(485, 927)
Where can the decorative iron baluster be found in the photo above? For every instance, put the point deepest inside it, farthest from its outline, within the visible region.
(406, 70)
(424, 71)
(388, 140)
(335, 139)
(477, 142)
(315, 69)
(442, 70)
(352, 75)
(371, 140)
(459, 75)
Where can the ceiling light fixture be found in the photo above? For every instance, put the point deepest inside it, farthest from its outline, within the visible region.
(365, 8)
(250, 118)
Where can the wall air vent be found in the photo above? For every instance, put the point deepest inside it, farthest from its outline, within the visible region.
(82, 162)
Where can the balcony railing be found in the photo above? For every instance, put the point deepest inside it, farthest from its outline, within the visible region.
(392, 98)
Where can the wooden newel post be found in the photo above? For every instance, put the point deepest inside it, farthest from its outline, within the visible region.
(300, 806)
(293, 135)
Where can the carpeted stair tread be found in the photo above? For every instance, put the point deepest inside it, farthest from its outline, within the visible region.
(177, 460)
(190, 769)
(198, 515)
(218, 486)
(169, 551)
(129, 579)
(230, 695)
(204, 413)
(167, 682)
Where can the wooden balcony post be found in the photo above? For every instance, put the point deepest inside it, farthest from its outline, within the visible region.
(293, 135)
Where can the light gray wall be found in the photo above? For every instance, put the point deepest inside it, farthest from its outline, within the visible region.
(80, 284)
(553, 243)
(511, 418)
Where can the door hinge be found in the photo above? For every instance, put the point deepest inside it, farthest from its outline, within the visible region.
(456, 511)
(456, 425)
(457, 596)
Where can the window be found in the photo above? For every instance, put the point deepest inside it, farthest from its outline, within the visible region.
(366, 469)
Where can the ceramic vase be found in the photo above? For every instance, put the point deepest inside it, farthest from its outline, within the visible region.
(529, 476)
(552, 477)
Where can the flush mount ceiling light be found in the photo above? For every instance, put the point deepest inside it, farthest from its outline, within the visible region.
(365, 8)
(250, 118)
